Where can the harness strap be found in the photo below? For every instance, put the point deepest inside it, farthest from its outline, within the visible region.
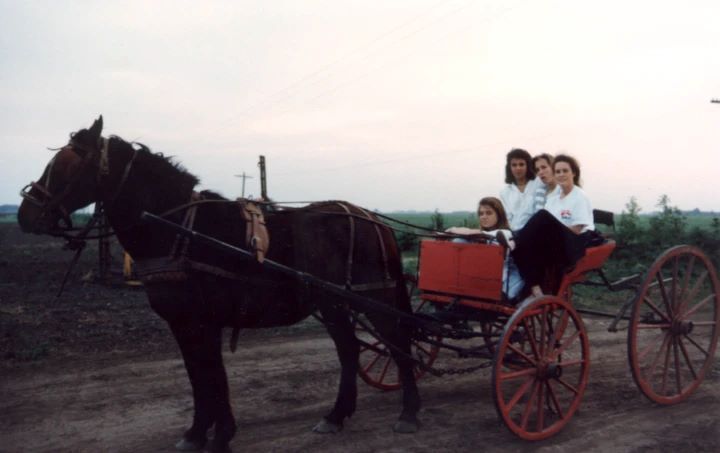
(351, 247)
(381, 242)
(257, 238)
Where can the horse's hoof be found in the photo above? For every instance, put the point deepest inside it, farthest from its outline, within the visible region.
(325, 427)
(406, 427)
(186, 445)
(214, 447)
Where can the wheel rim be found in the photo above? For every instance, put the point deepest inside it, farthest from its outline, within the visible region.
(541, 368)
(674, 325)
(377, 367)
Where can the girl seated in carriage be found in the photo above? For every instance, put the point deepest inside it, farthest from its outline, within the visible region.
(493, 219)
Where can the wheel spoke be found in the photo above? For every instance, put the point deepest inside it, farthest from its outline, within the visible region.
(661, 283)
(665, 371)
(543, 326)
(527, 358)
(687, 357)
(650, 304)
(372, 363)
(567, 343)
(707, 354)
(656, 360)
(385, 369)
(676, 358)
(567, 386)
(653, 326)
(686, 280)
(562, 325)
(531, 339)
(699, 305)
(518, 374)
(540, 407)
(572, 363)
(520, 392)
(553, 398)
(528, 406)
(645, 351)
(696, 287)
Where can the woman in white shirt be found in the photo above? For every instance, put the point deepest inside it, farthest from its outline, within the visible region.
(543, 166)
(555, 237)
(517, 196)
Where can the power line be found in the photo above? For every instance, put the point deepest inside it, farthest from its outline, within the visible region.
(267, 100)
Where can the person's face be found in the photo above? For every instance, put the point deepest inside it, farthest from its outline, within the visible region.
(518, 168)
(564, 175)
(544, 171)
(487, 217)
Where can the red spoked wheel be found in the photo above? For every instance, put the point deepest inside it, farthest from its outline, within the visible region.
(377, 367)
(673, 329)
(541, 368)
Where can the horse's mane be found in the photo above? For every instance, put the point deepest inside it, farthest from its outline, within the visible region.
(160, 164)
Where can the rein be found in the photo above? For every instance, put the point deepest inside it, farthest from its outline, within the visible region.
(433, 232)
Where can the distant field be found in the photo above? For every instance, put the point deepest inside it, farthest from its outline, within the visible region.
(458, 219)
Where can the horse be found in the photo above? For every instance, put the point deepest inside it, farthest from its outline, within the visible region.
(199, 291)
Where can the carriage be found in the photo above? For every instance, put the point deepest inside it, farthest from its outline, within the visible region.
(539, 349)
(204, 270)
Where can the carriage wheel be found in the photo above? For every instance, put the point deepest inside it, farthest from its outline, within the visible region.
(673, 330)
(377, 367)
(541, 368)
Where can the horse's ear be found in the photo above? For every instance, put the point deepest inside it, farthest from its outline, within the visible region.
(96, 129)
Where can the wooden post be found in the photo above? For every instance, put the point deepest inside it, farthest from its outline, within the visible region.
(104, 258)
(263, 180)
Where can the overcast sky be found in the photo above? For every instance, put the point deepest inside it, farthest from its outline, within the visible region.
(394, 104)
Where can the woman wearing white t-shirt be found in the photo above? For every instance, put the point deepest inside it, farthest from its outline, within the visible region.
(555, 238)
(518, 194)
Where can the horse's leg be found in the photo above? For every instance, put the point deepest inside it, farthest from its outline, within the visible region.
(408, 421)
(195, 437)
(337, 322)
(201, 348)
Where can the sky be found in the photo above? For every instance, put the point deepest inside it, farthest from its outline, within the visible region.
(391, 105)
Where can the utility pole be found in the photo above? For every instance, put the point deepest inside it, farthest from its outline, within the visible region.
(244, 177)
(263, 180)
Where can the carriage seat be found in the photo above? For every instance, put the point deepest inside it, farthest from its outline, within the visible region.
(594, 258)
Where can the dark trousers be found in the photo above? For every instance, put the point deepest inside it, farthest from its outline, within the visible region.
(545, 249)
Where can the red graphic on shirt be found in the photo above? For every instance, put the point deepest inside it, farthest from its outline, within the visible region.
(566, 214)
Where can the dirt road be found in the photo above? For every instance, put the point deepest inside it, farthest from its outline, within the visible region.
(281, 387)
(97, 371)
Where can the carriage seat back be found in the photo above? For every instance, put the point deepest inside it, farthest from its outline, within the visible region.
(471, 270)
(594, 259)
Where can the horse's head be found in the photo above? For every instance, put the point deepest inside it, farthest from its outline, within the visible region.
(69, 182)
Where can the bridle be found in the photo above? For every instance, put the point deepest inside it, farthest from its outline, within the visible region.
(93, 156)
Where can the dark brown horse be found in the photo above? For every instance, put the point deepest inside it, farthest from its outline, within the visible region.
(199, 291)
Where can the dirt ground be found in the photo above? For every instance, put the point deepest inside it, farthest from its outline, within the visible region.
(96, 370)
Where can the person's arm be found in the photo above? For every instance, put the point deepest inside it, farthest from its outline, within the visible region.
(463, 230)
(583, 214)
(577, 229)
